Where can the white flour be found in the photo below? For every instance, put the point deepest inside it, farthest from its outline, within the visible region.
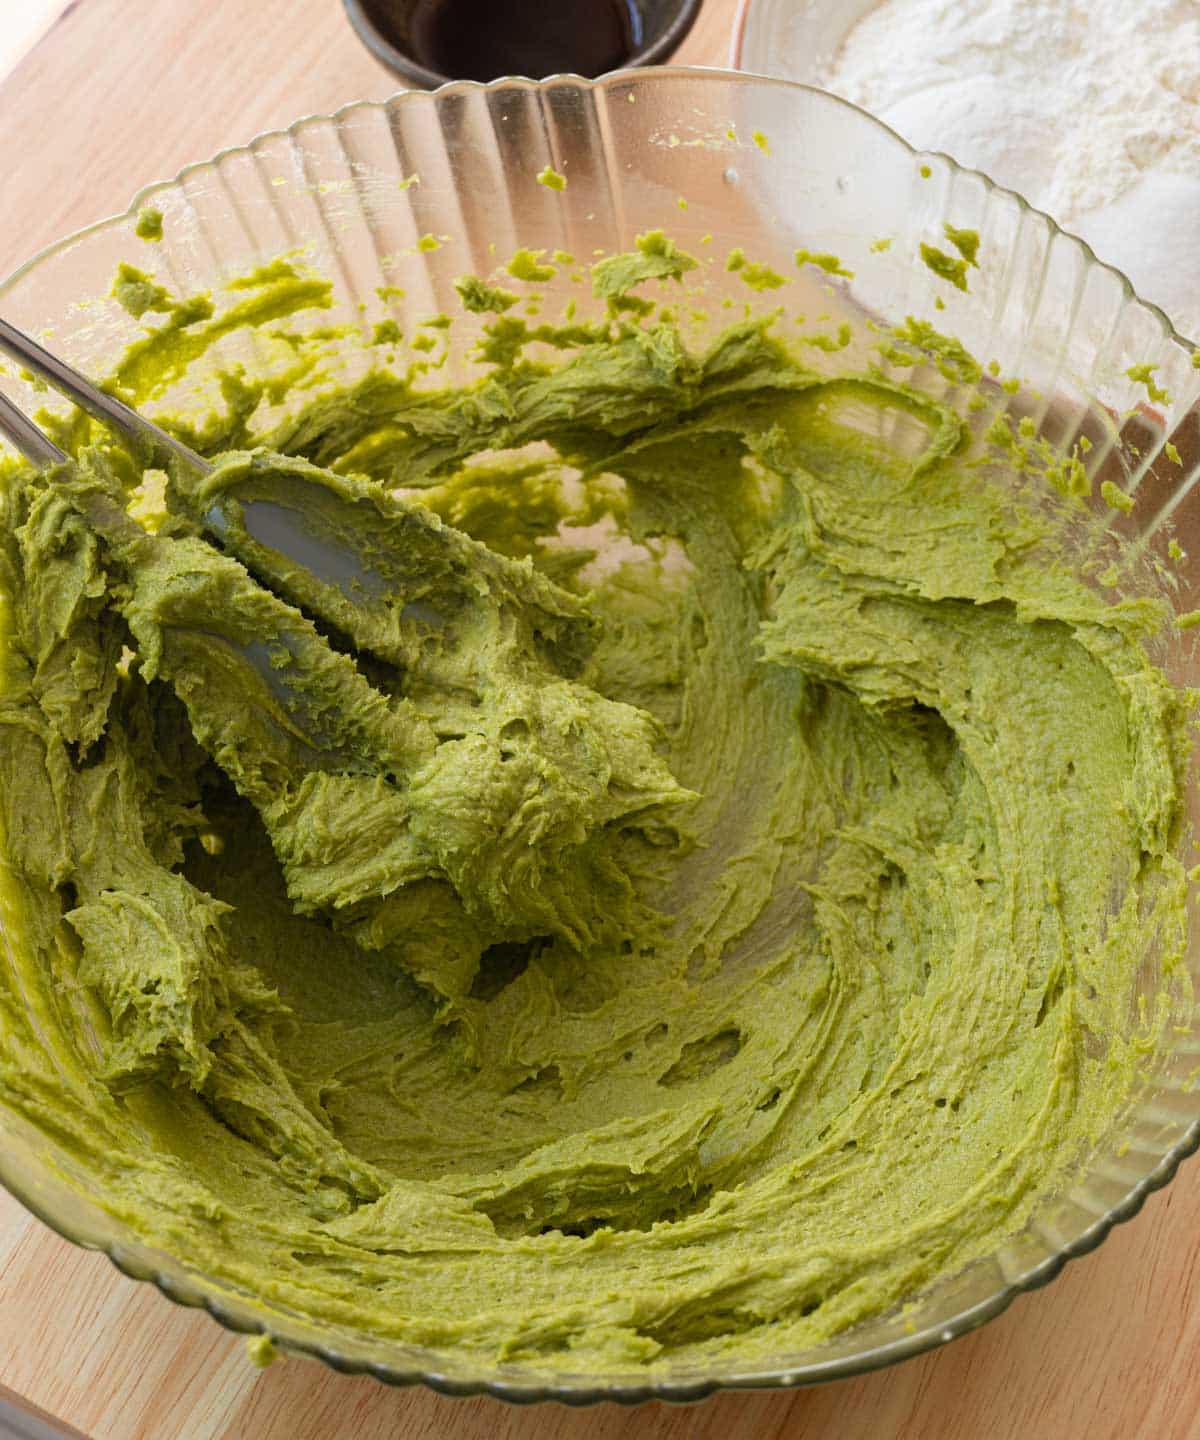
(1090, 108)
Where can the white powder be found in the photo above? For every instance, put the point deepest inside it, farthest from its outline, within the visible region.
(1089, 108)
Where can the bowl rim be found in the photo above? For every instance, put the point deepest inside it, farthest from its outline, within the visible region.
(737, 37)
(401, 63)
(223, 1304)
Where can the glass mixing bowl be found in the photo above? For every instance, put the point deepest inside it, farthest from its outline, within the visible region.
(822, 176)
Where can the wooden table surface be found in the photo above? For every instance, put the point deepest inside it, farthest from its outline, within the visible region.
(122, 92)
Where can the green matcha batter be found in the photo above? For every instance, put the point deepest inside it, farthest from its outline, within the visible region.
(862, 808)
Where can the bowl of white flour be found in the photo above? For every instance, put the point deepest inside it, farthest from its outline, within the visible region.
(1090, 110)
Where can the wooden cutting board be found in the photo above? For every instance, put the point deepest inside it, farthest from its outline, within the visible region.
(123, 92)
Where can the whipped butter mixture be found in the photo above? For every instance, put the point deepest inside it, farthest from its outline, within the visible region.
(682, 893)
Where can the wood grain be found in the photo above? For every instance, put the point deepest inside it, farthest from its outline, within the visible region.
(124, 92)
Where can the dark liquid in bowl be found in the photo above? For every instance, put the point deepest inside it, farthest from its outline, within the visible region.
(484, 39)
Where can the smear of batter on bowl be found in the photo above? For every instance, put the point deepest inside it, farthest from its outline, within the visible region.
(149, 224)
(835, 1024)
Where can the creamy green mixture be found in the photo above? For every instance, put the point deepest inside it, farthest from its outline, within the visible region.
(680, 929)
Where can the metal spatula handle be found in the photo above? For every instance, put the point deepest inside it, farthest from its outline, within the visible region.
(69, 382)
(36, 446)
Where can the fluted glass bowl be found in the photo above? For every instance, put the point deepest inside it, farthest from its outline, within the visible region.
(765, 165)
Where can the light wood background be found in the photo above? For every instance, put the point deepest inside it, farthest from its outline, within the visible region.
(117, 94)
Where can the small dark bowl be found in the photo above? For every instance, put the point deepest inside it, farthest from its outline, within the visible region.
(386, 28)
